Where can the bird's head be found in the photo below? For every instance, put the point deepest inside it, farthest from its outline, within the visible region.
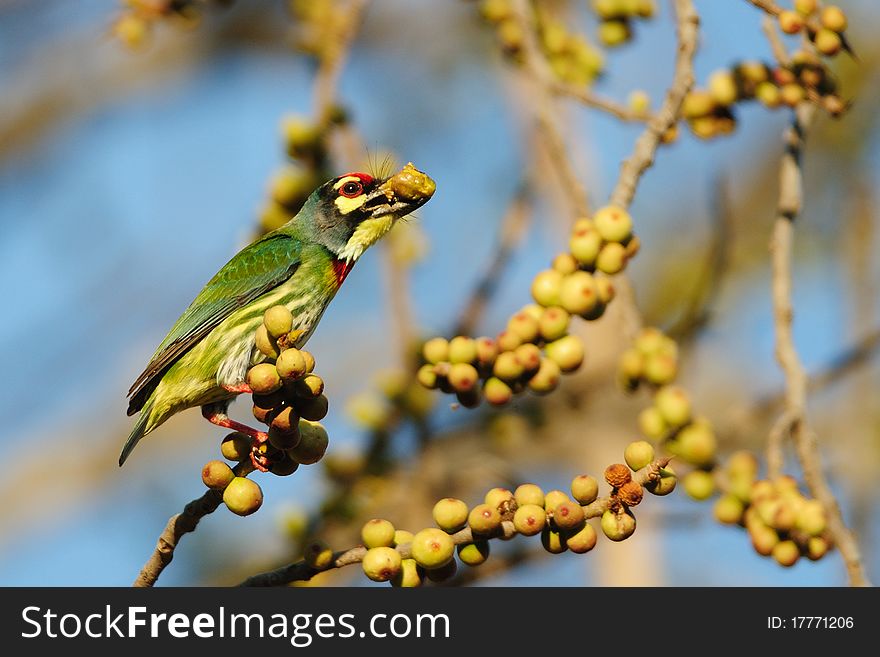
(352, 212)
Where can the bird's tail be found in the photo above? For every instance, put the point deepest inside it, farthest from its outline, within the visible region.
(141, 428)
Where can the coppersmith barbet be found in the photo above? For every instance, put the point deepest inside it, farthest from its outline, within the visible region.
(203, 361)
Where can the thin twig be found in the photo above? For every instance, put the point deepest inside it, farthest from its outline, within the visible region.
(180, 524)
(806, 443)
(333, 60)
(776, 45)
(301, 571)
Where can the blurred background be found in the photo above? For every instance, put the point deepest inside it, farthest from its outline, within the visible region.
(129, 176)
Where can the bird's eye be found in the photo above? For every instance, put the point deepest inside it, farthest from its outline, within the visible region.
(352, 189)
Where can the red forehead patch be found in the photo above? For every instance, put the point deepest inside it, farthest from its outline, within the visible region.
(365, 178)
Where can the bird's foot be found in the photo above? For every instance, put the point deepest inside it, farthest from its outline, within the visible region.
(260, 439)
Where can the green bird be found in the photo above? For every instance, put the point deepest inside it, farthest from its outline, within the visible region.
(204, 359)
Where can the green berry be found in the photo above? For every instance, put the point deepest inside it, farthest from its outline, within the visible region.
(553, 499)
(462, 350)
(722, 87)
(697, 444)
(631, 364)
(742, 464)
(565, 263)
(523, 325)
(496, 391)
(584, 489)
(553, 541)
(728, 510)
(487, 351)
(410, 575)
(611, 258)
(436, 350)
(263, 379)
(827, 42)
(585, 244)
(381, 564)
(578, 293)
(318, 555)
(314, 409)
(291, 365)
(427, 377)
(313, 441)
(614, 224)
(450, 514)
(817, 547)
(498, 498)
(553, 323)
(432, 548)
(484, 519)
(833, 18)
(265, 343)
(786, 553)
(507, 366)
(529, 494)
(546, 287)
(768, 94)
(473, 554)
(810, 518)
(281, 439)
(568, 516)
(507, 341)
(638, 454)
(664, 485)
(236, 446)
(618, 526)
(217, 475)
(652, 424)
(310, 360)
(278, 320)
(697, 104)
(529, 356)
(529, 519)
(567, 352)
(699, 484)
(764, 539)
(377, 532)
(242, 496)
(547, 378)
(310, 385)
(674, 405)
(790, 22)
(660, 369)
(581, 541)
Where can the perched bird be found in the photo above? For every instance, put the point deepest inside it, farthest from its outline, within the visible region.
(203, 361)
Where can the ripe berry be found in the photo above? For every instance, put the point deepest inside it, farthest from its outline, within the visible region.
(381, 564)
(235, 446)
(313, 441)
(613, 223)
(529, 519)
(568, 516)
(529, 494)
(463, 377)
(638, 454)
(265, 343)
(618, 526)
(553, 499)
(377, 533)
(217, 475)
(242, 496)
(817, 547)
(674, 405)
(697, 444)
(450, 514)
(484, 519)
(833, 18)
(614, 33)
(728, 510)
(278, 320)
(584, 489)
(427, 376)
(507, 366)
(507, 341)
(786, 553)
(585, 244)
(432, 548)
(291, 365)
(567, 352)
(487, 351)
(410, 575)
(806, 7)
(792, 94)
(499, 498)
(523, 325)
(263, 379)
(764, 539)
(473, 554)
(546, 286)
(529, 356)
(582, 541)
(436, 350)
(790, 22)
(828, 42)
(401, 537)
(660, 369)
(565, 263)
(722, 87)
(811, 518)
(553, 323)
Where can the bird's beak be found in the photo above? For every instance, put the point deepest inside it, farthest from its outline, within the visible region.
(405, 191)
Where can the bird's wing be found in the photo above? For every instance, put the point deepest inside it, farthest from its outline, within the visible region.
(252, 272)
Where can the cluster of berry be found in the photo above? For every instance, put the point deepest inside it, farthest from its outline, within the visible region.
(576, 284)
(781, 521)
(287, 397)
(570, 56)
(406, 559)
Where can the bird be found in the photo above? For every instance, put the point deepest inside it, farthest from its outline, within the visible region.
(204, 359)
